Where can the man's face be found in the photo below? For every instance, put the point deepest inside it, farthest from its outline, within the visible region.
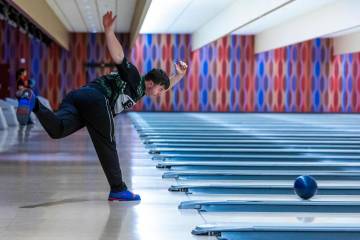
(153, 89)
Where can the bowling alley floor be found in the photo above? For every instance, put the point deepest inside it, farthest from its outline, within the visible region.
(55, 189)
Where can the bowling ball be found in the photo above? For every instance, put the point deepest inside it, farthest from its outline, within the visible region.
(305, 187)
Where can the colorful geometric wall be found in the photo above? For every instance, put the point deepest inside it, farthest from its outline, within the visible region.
(226, 76)
(44, 64)
(223, 76)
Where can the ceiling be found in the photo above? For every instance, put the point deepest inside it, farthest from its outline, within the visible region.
(181, 16)
(281, 15)
(344, 32)
(86, 15)
(208, 20)
(176, 16)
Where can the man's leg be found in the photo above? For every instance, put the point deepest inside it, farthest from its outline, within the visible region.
(65, 121)
(88, 106)
(94, 109)
(106, 151)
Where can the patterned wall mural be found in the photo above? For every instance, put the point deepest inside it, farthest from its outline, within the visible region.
(226, 76)
(223, 76)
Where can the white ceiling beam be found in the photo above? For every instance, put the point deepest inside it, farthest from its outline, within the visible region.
(88, 11)
(335, 17)
(72, 15)
(238, 14)
(347, 44)
(141, 8)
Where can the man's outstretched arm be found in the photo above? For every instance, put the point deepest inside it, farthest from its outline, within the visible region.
(114, 46)
(181, 68)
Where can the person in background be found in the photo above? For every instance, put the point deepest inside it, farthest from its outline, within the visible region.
(22, 83)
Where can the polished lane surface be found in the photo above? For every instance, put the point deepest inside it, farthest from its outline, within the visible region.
(55, 189)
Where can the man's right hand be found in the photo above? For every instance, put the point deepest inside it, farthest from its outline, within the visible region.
(108, 22)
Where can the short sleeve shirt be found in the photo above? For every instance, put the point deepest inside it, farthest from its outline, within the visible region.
(123, 88)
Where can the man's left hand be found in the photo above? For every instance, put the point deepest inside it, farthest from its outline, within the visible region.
(181, 68)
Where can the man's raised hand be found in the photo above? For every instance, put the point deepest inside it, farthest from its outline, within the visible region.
(108, 21)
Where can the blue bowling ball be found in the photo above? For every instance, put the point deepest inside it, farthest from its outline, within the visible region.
(305, 187)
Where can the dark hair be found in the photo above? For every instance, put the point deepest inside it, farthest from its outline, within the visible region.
(19, 72)
(158, 76)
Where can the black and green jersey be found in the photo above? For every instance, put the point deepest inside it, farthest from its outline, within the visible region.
(123, 88)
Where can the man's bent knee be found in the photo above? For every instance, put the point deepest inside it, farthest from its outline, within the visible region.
(56, 134)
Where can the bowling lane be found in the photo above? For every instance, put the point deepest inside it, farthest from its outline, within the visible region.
(253, 165)
(241, 167)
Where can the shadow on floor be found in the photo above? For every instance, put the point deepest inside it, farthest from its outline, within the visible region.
(74, 200)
